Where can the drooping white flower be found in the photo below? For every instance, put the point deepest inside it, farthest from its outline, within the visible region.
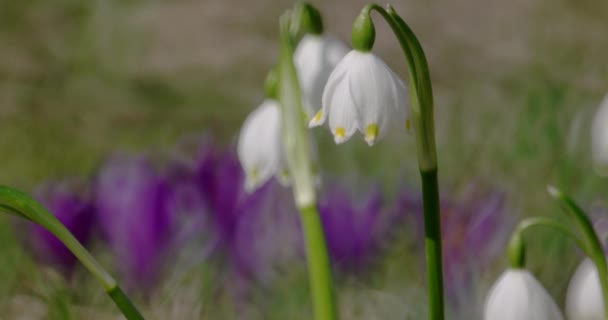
(314, 58)
(584, 297)
(362, 93)
(599, 138)
(517, 295)
(260, 149)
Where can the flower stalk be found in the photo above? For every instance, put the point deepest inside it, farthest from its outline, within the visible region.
(298, 156)
(24, 206)
(423, 122)
(590, 241)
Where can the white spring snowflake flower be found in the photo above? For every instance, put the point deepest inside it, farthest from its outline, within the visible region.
(517, 295)
(260, 149)
(314, 58)
(362, 93)
(584, 297)
(599, 138)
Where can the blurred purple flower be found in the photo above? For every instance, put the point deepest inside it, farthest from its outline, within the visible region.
(74, 209)
(247, 229)
(131, 203)
(248, 226)
(351, 226)
(474, 230)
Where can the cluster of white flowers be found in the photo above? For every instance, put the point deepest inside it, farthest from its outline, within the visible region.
(351, 90)
(517, 295)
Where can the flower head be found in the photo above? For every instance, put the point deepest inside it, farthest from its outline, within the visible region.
(599, 138)
(260, 149)
(517, 295)
(132, 213)
(74, 209)
(362, 93)
(314, 58)
(584, 297)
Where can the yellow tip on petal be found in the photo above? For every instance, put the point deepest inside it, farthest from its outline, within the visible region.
(339, 135)
(316, 120)
(317, 116)
(408, 124)
(339, 132)
(371, 133)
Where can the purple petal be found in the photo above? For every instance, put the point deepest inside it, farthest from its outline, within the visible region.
(132, 212)
(73, 209)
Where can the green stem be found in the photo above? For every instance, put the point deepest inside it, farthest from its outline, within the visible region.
(516, 244)
(423, 120)
(124, 304)
(591, 240)
(319, 267)
(298, 156)
(432, 243)
(22, 205)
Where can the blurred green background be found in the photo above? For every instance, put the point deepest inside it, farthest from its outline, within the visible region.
(516, 84)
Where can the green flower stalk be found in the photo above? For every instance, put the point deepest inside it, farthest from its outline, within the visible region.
(24, 206)
(297, 148)
(581, 232)
(298, 156)
(377, 105)
(590, 242)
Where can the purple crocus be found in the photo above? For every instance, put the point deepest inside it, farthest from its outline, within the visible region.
(352, 226)
(69, 201)
(253, 231)
(247, 225)
(131, 203)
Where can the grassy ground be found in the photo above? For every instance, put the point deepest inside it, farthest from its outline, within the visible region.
(516, 85)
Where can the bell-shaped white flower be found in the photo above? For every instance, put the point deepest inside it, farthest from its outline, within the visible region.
(314, 58)
(584, 297)
(599, 138)
(517, 295)
(260, 149)
(362, 93)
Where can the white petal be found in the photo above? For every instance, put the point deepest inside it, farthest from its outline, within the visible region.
(333, 81)
(342, 113)
(315, 58)
(599, 138)
(259, 147)
(517, 295)
(584, 297)
(378, 93)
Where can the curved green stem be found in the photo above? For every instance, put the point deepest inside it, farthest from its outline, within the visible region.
(516, 246)
(421, 94)
(22, 205)
(591, 240)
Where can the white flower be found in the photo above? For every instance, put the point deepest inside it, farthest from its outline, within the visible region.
(517, 295)
(362, 93)
(260, 149)
(584, 297)
(599, 138)
(315, 57)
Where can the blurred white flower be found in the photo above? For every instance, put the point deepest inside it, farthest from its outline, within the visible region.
(362, 93)
(599, 138)
(517, 295)
(260, 149)
(584, 297)
(315, 57)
